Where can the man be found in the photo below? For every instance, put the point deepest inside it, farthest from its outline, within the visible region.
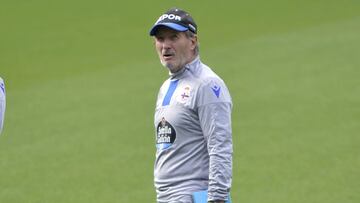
(192, 118)
(2, 103)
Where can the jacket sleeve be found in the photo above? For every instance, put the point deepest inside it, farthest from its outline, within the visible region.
(214, 112)
(2, 104)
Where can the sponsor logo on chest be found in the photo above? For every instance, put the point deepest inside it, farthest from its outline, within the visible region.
(165, 135)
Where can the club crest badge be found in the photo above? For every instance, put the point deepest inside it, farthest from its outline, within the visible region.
(184, 95)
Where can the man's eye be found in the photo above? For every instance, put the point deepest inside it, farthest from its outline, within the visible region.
(160, 39)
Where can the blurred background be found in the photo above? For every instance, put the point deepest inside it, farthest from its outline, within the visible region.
(82, 79)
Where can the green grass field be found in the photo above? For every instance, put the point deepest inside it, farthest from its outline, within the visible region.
(82, 79)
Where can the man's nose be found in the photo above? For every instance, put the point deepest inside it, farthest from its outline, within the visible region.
(166, 44)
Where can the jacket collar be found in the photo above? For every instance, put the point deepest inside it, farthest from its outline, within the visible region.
(190, 66)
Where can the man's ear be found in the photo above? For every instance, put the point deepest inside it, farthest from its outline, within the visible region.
(194, 41)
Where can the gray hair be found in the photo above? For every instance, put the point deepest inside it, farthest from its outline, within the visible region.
(189, 35)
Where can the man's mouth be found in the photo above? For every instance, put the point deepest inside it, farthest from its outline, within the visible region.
(168, 56)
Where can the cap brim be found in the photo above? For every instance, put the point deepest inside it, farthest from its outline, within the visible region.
(173, 26)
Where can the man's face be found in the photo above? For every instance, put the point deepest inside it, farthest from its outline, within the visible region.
(174, 48)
